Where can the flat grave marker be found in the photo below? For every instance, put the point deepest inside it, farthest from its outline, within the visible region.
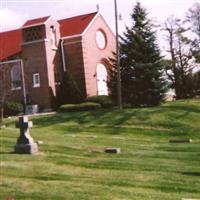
(113, 150)
(180, 141)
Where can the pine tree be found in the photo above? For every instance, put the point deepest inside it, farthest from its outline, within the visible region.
(112, 79)
(141, 63)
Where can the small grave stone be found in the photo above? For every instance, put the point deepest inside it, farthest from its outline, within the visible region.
(189, 199)
(118, 138)
(113, 150)
(2, 126)
(181, 141)
(25, 143)
(39, 142)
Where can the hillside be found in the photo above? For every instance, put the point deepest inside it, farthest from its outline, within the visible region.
(72, 164)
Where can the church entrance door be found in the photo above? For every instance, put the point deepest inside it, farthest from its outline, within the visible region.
(102, 88)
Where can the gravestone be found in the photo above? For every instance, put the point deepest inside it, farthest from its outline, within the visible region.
(113, 150)
(25, 143)
(181, 141)
(189, 199)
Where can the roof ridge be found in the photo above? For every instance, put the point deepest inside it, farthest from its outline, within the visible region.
(39, 20)
(76, 16)
(13, 30)
(68, 27)
(47, 16)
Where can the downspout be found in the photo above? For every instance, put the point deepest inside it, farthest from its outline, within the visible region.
(23, 83)
(63, 55)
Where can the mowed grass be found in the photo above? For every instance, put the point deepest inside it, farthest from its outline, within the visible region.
(72, 165)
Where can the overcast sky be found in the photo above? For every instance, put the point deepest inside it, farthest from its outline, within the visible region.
(13, 13)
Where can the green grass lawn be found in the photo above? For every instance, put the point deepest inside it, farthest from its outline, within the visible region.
(72, 165)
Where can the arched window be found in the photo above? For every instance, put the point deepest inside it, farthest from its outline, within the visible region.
(16, 77)
(102, 88)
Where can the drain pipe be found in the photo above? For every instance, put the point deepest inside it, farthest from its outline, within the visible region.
(63, 55)
(23, 83)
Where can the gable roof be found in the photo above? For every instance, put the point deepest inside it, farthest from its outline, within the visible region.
(37, 21)
(75, 25)
(10, 41)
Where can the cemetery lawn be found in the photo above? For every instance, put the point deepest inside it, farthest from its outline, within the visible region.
(72, 165)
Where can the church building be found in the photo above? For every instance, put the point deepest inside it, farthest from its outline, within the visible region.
(34, 58)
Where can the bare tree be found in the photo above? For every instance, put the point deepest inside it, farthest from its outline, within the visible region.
(193, 19)
(180, 66)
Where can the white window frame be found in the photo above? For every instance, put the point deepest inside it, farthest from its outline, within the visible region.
(36, 80)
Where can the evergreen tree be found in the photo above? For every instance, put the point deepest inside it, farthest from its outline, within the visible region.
(140, 62)
(112, 79)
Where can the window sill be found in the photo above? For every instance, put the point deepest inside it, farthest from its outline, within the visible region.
(36, 86)
(17, 88)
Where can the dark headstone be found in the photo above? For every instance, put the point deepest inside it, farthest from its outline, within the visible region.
(25, 143)
(181, 141)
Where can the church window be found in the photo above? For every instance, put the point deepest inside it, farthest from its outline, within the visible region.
(16, 77)
(36, 80)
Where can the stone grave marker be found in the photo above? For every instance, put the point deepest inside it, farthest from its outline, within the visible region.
(113, 150)
(181, 141)
(189, 199)
(25, 143)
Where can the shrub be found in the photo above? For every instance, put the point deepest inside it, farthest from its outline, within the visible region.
(103, 100)
(13, 108)
(79, 107)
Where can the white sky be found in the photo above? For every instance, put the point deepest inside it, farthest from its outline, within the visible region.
(13, 13)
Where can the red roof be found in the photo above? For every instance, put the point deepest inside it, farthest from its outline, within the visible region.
(10, 43)
(75, 25)
(32, 22)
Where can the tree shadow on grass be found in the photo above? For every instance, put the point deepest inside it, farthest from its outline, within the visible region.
(6, 152)
(185, 107)
(191, 173)
(168, 116)
(101, 117)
